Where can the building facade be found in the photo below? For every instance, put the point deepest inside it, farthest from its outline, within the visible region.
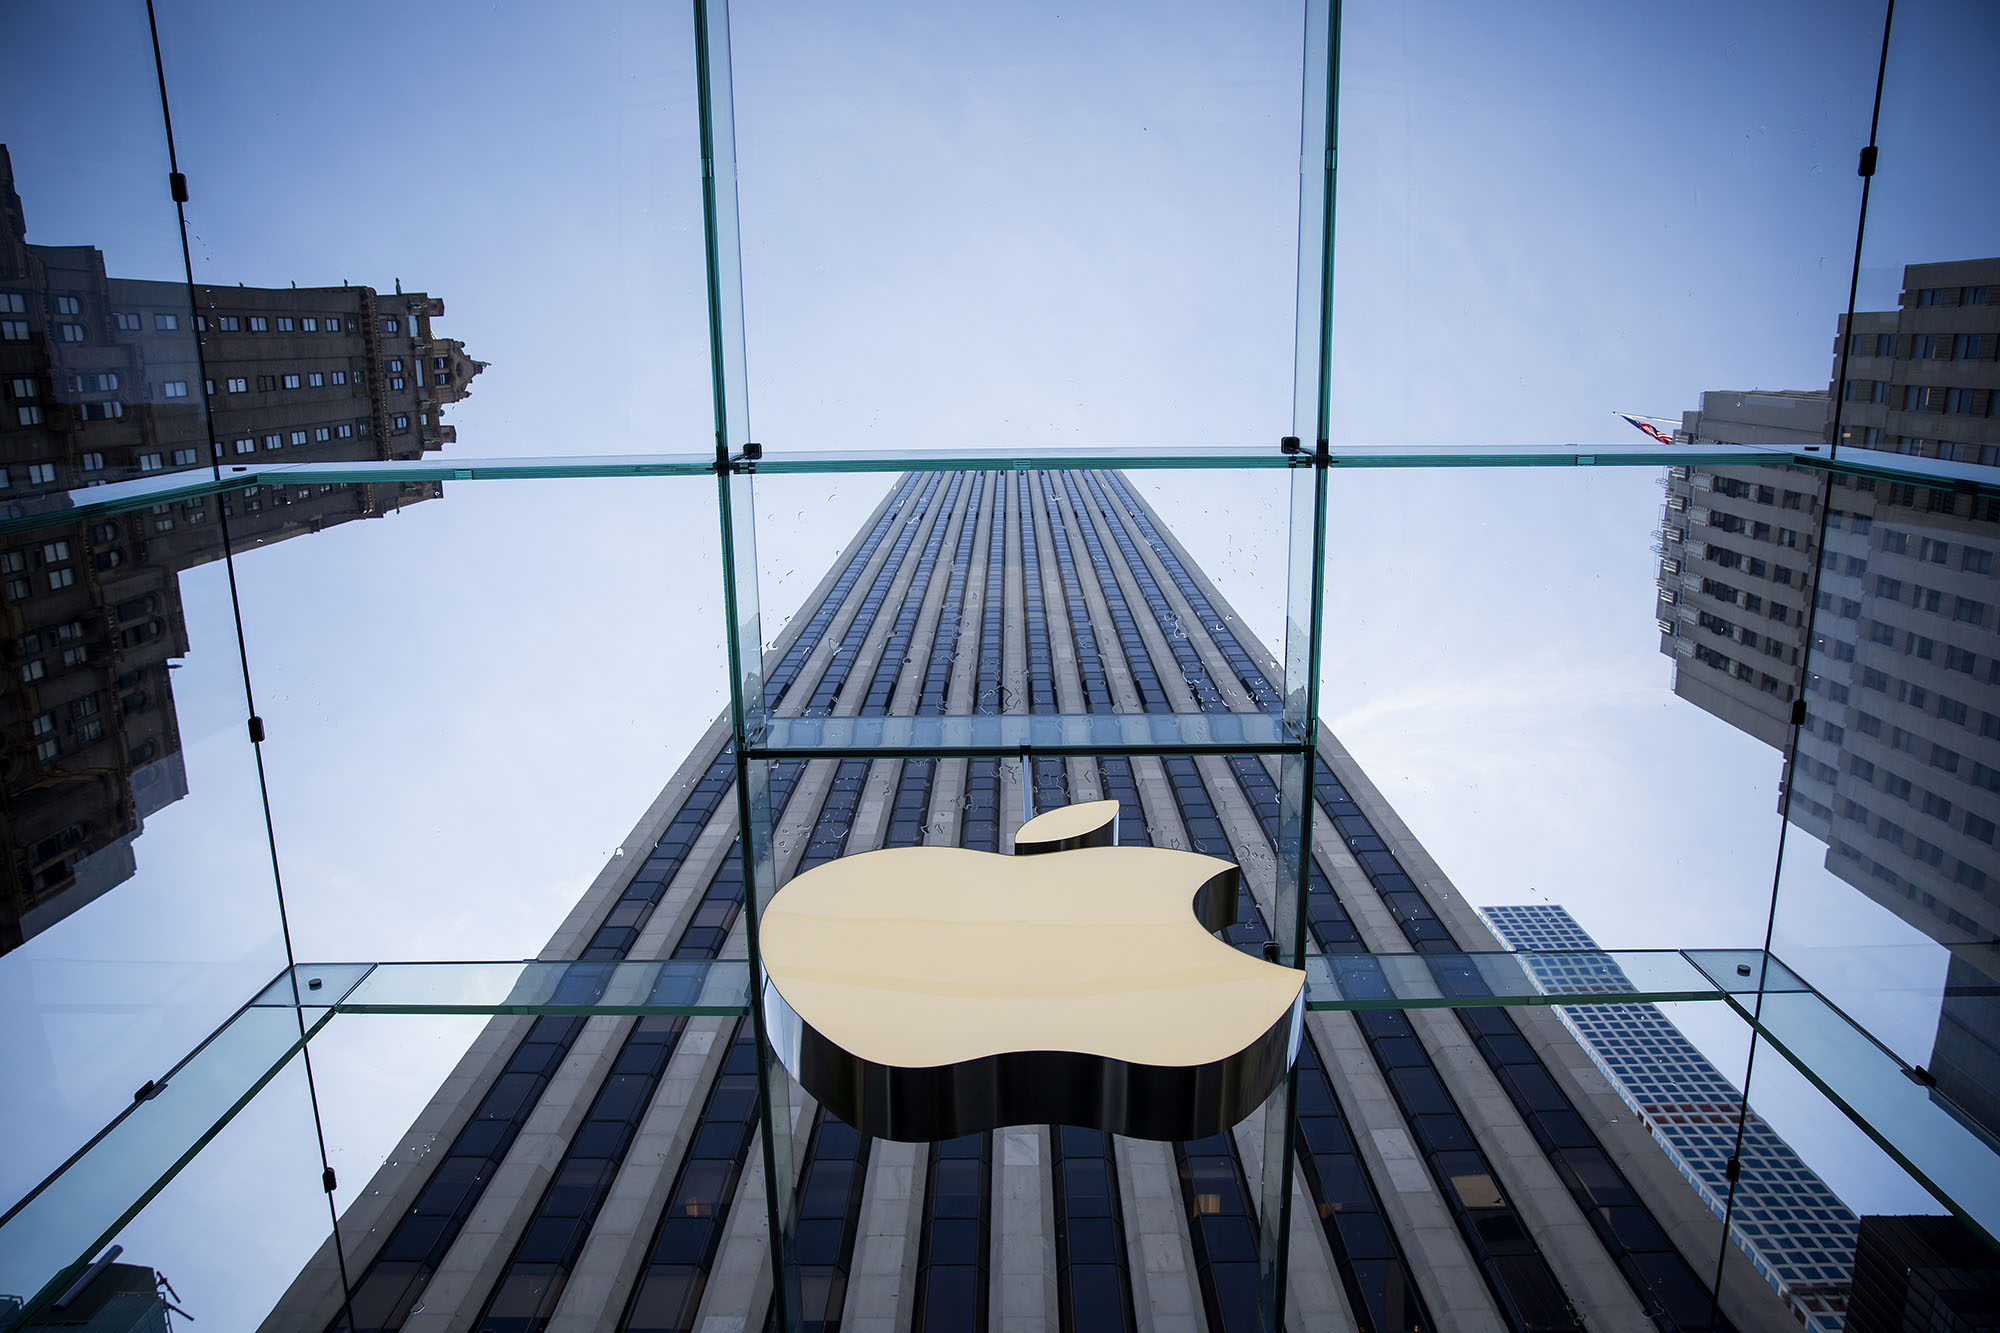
(1796, 1231)
(110, 378)
(1464, 1169)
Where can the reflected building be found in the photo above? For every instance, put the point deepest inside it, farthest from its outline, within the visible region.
(108, 379)
(1897, 767)
(1795, 1229)
(1455, 1169)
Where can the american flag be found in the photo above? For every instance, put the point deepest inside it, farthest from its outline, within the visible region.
(1650, 429)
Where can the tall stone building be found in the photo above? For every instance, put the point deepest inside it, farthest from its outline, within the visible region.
(1921, 379)
(1462, 1169)
(107, 379)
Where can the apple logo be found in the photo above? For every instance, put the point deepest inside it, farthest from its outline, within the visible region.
(922, 993)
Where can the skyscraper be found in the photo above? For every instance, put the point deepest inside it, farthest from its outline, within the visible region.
(1796, 1230)
(1463, 1169)
(106, 378)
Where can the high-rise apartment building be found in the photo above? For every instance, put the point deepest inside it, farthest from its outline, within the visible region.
(1460, 1169)
(1796, 1230)
(109, 378)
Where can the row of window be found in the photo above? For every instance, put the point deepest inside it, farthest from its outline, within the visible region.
(1944, 296)
(1921, 346)
(1920, 397)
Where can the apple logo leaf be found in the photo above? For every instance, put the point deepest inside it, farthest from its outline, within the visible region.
(921, 993)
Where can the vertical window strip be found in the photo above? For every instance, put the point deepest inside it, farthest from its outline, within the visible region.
(1139, 663)
(957, 1220)
(1041, 667)
(896, 651)
(781, 677)
(848, 650)
(944, 641)
(668, 1293)
(1089, 665)
(1208, 698)
(829, 1219)
(990, 696)
(1093, 1270)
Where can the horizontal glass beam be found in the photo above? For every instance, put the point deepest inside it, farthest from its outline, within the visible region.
(1895, 1105)
(71, 1216)
(698, 986)
(168, 487)
(966, 736)
(1476, 980)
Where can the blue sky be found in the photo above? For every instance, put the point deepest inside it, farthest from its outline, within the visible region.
(1050, 225)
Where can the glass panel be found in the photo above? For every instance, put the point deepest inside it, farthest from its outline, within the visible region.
(138, 908)
(690, 986)
(76, 1213)
(1455, 980)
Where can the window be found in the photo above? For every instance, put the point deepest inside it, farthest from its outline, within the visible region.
(1972, 296)
(394, 364)
(149, 462)
(391, 326)
(228, 323)
(309, 324)
(61, 578)
(1929, 599)
(321, 434)
(298, 438)
(258, 324)
(314, 379)
(395, 381)
(1934, 551)
(239, 385)
(1896, 787)
(1976, 561)
(267, 383)
(333, 324)
(163, 323)
(246, 445)
(1958, 659)
(92, 462)
(1913, 398)
(102, 411)
(1936, 806)
(1977, 828)
(1944, 759)
(183, 457)
(1872, 679)
(48, 749)
(1914, 695)
(72, 333)
(344, 431)
(1969, 611)
(33, 671)
(291, 381)
(1885, 344)
(29, 413)
(66, 305)
(174, 389)
(13, 303)
(1930, 296)
(127, 323)
(402, 424)
(1895, 543)
(274, 441)
(41, 474)
(1965, 347)
(284, 323)
(13, 330)
(440, 379)
(339, 377)
(1951, 710)
(1958, 400)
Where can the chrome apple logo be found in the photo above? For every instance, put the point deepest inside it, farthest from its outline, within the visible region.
(922, 993)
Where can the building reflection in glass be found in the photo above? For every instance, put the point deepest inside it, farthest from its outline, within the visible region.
(110, 378)
(1868, 611)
